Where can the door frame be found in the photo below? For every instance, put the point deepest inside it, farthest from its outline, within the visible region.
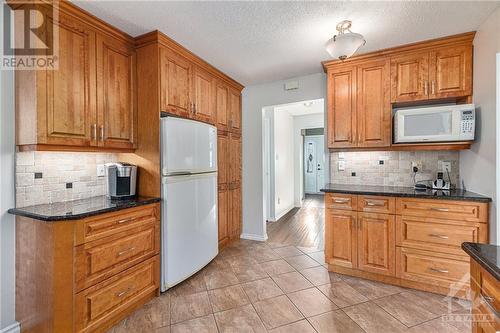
(303, 194)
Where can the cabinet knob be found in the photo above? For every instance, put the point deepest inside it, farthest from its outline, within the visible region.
(93, 130)
(426, 88)
(101, 130)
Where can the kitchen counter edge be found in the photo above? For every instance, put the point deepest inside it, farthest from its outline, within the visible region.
(485, 255)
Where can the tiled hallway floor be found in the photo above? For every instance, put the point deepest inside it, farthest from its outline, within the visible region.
(261, 287)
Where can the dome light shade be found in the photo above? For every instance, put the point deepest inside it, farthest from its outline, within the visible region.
(345, 44)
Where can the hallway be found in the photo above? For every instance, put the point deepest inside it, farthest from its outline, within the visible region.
(301, 227)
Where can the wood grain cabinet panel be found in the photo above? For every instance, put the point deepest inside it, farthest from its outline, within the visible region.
(235, 185)
(341, 116)
(234, 110)
(204, 95)
(485, 294)
(116, 100)
(341, 238)
(373, 104)
(450, 72)
(223, 217)
(341, 201)
(376, 204)
(176, 74)
(235, 212)
(376, 243)
(447, 209)
(410, 77)
(222, 106)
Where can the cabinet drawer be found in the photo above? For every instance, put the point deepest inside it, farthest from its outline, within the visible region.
(446, 209)
(437, 235)
(376, 204)
(432, 268)
(113, 223)
(106, 301)
(490, 290)
(340, 201)
(100, 259)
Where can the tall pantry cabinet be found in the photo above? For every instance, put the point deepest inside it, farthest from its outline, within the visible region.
(176, 82)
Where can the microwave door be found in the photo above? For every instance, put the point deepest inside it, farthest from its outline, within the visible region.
(418, 126)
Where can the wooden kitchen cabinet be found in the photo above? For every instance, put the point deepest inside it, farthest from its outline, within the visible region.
(376, 243)
(116, 93)
(341, 234)
(222, 106)
(235, 185)
(87, 103)
(373, 104)
(176, 91)
(204, 95)
(234, 101)
(410, 242)
(342, 129)
(410, 77)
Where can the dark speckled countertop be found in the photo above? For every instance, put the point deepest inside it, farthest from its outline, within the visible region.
(78, 209)
(396, 191)
(486, 255)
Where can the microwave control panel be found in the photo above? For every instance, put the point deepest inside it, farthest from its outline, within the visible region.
(467, 122)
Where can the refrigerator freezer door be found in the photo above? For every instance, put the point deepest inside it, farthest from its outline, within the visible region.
(187, 146)
(189, 225)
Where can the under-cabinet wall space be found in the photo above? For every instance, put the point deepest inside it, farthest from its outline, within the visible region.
(395, 168)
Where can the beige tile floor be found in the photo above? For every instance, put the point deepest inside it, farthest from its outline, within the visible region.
(269, 287)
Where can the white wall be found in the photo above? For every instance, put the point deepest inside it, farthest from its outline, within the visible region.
(7, 195)
(299, 123)
(477, 165)
(283, 163)
(254, 99)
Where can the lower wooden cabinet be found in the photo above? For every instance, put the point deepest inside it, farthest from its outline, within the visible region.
(485, 290)
(410, 242)
(86, 275)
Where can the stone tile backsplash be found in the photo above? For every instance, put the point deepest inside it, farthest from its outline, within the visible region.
(58, 169)
(395, 170)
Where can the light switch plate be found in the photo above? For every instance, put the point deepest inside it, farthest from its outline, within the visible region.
(341, 155)
(101, 171)
(341, 165)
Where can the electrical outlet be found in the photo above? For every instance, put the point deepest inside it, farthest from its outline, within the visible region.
(341, 155)
(341, 165)
(417, 164)
(101, 171)
(446, 166)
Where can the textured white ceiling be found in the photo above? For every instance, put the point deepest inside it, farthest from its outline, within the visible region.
(261, 41)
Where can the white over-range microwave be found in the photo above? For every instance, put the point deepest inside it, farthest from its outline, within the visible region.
(435, 124)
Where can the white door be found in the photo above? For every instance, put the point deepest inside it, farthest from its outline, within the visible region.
(187, 146)
(189, 225)
(314, 162)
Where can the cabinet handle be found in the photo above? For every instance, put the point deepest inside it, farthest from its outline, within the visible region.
(426, 88)
(124, 220)
(433, 87)
(101, 130)
(194, 107)
(230, 123)
(439, 236)
(94, 131)
(438, 270)
(440, 209)
(370, 203)
(125, 251)
(123, 293)
(340, 200)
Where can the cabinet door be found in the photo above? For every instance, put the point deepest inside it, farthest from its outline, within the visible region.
(373, 104)
(234, 110)
(175, 83)
(222, 105)
(409, 77)
(204, 96)
(235, 211)
(450, 72)
(116, 70)
(69, 92)
(223, 218)
(223, 161)
(341, 114)
(234, 158)
(340, 238)
(376, 243)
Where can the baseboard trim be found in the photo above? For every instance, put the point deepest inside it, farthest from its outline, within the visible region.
(13, 328)
(284, 212)
(254, 237)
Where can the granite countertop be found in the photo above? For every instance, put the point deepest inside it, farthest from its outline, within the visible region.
(487, 255)
(398, 191)
(78, 209)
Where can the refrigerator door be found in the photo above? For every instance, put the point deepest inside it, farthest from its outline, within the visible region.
(189, 226)
(187, 146)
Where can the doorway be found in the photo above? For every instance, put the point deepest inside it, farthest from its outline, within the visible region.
(314, 162)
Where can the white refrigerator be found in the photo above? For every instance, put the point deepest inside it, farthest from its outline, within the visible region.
(189, 198)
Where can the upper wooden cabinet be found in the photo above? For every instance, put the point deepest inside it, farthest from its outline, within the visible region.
(222, 105)
(204, 95)
(234, 101)
(363, 90)
(176, 75)
(359, 109)
(88, 101)
(116, 102)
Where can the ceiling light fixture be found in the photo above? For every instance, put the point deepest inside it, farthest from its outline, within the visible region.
(345, 43)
